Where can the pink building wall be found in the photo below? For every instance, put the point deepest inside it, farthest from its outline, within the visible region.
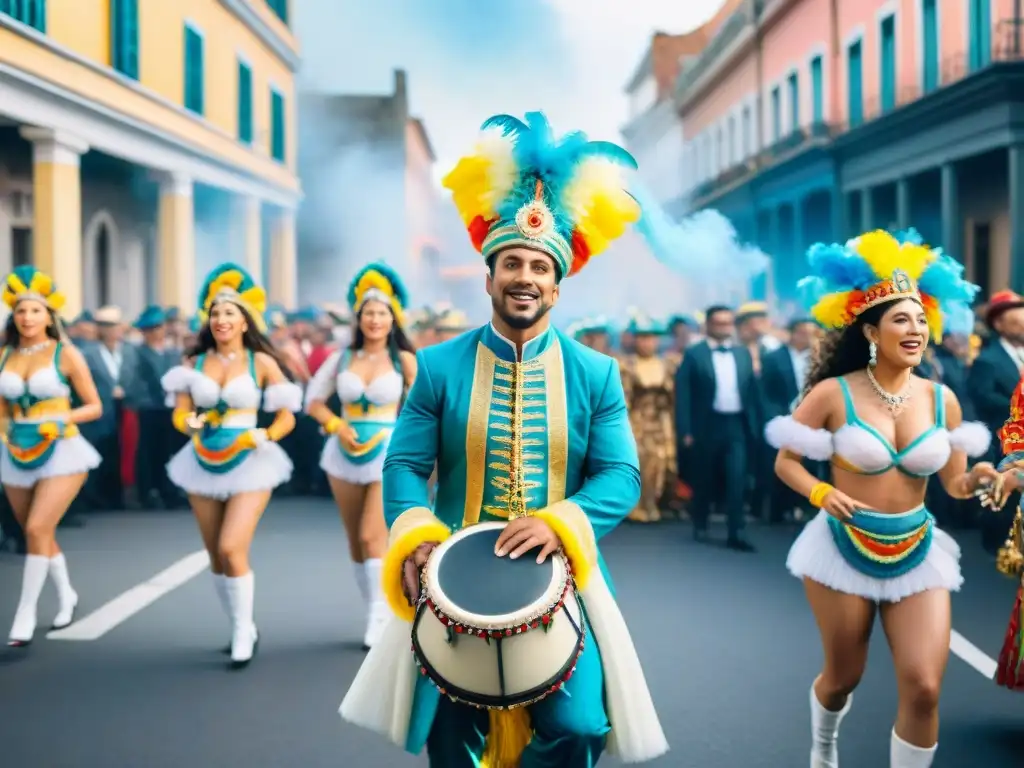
(790, 43)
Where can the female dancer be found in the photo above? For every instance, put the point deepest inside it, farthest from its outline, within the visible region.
(874, 545)
(45, 460)
(230, 467)
(370, 379)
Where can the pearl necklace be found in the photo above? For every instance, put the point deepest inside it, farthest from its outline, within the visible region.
(893, 402)
(362, 354)
(34, 348)
(228, 358)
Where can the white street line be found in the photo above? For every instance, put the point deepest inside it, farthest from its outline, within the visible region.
(127, 604)
(972, 654)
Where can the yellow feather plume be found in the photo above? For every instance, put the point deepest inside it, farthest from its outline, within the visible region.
(231, 279)
(371, 280)
(831, 310)
(884, 254)
(597, 200)
(479, 182)
(41, 283)
(934, 317)
(256, 298)
(56, 301)
(15, 285)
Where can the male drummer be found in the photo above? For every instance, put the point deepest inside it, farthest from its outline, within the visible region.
(525, 425)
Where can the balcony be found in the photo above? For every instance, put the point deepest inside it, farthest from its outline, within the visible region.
(695, 69)
(784, 149)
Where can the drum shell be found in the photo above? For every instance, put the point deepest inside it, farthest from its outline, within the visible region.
(500, 672)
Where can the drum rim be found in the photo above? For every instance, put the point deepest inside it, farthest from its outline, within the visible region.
(535, 611)
(483, 701)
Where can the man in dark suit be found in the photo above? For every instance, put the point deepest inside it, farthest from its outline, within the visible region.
(783, 375)
(717, 420)
(145, 395)
(112, 363)
(993, 377)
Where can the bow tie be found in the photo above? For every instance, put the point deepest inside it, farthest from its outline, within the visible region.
(721, 348)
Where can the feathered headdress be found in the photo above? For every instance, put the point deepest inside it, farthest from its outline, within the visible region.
(27, 282)
(230, 282)
(378, 282)
(878, 267)
(523, 186)
(644, 325)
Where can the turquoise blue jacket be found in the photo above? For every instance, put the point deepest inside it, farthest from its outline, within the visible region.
(557, 421)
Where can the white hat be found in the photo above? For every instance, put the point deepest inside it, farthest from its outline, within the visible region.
(108, 315)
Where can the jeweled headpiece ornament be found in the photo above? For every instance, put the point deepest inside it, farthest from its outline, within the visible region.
(232, 283)
(378, 282)
(877, 267)
(28, 283)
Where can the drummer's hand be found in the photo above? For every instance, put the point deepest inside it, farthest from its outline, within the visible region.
(411, 571)
(348, 438)
(525, 533)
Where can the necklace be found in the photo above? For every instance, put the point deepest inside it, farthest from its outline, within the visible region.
(228, 357)
(893, 402)
(34, 348)
(364, 355)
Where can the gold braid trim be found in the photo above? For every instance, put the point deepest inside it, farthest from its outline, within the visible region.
(1010, 559)
(413, 527)
(573, 528)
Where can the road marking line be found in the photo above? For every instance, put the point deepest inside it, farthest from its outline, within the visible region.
(127, 604)
(972, 654)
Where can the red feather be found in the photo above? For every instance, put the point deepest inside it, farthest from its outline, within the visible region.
(478, 229)
(580, 253)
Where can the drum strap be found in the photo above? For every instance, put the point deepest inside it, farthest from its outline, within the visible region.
(509, 733)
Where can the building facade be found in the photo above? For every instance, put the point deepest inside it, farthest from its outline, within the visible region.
(367, 167)
(814, 119)
(142, 141)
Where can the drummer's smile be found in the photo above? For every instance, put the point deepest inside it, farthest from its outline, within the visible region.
(523, 298)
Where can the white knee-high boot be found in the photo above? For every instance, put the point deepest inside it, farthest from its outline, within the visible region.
(361, 581)
(904, 755)
(241, 594)
(66, 595)
(378, 612)
(220, 586)
(825, 732)
(32, 580)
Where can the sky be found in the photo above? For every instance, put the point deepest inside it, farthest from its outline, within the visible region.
(468, 59)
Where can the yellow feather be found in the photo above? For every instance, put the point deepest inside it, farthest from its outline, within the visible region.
(256, 298)
(371, 280)
(56, 301)
(15, 284)
(231, 279)
(831, 311)
(881, 251)
(479, 182)
(41, 284)
(596, 199)
(914, 259)
(934, 317)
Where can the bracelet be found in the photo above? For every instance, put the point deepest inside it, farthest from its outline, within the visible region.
(333, 425)
(818, 494)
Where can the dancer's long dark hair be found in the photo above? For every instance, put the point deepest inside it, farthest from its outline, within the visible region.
(55, 330)
(252, 339)
(847, 349)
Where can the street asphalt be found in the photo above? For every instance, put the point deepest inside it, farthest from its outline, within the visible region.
(727, 641)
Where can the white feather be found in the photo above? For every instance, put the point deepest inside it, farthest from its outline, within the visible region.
(785, 432)
(499, 149)
(972, 438)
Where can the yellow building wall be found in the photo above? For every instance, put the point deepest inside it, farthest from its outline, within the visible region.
(83, 26)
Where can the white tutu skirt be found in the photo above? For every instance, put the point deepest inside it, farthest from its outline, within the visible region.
(71, 456)
(338, 466)
(814, 555)
(262, 470)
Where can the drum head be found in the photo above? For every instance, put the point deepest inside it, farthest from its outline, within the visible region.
(491, 592)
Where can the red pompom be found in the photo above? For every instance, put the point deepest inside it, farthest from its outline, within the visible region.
(478, 229)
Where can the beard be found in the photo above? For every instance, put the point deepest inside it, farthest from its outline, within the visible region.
(519, 322)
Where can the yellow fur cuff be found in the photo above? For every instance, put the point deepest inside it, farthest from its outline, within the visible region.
(573, 528)
(413, 527)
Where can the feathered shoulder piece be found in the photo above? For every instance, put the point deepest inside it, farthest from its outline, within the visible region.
(378, 281)
(877, 267)
(567, 197)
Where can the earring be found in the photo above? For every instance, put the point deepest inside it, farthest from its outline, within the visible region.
(872, 354)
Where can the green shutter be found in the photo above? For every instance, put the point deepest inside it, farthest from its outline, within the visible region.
(776, 114)
(244, 103)
(794, 102)
(280, 9)
(32, 13)
(194, 71)
(888, 64)
(855, 94)
(277, 126)
(817, 91)
(124, 37)
(930, 32)
(979, 22)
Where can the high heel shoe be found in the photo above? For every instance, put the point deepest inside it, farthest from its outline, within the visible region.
(22, 631)
(60, 622)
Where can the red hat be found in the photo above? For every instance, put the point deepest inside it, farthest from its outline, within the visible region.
(1002, 301)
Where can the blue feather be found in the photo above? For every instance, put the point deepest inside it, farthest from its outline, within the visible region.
(839, 267)
(510, 126)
